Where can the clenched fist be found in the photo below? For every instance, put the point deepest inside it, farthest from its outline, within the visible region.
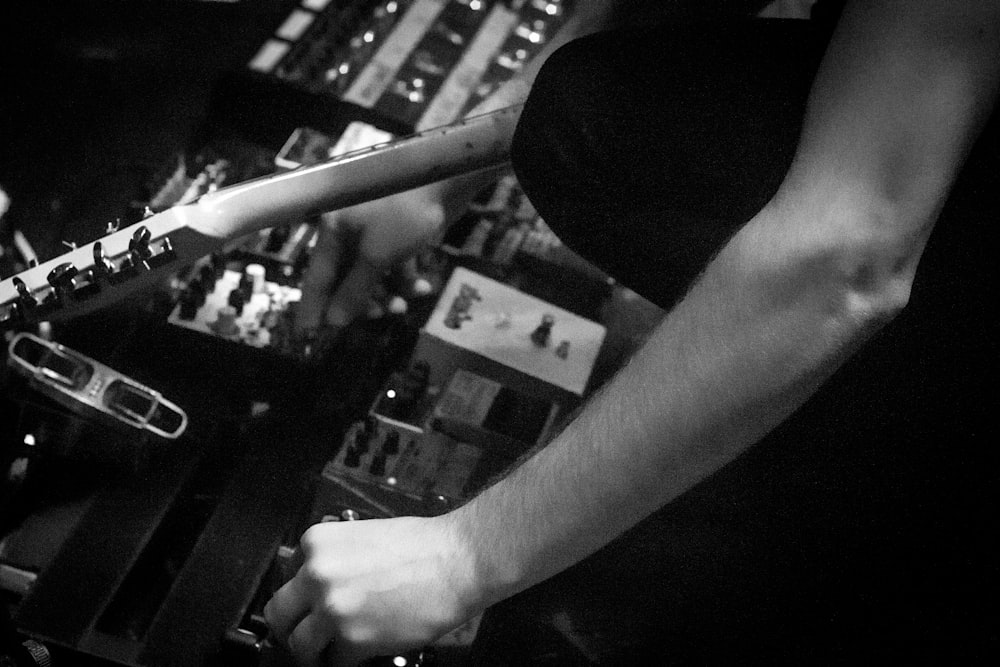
(375, 587)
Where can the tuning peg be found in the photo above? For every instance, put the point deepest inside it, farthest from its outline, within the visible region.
(63, 279)
(112, 227)
(165, 255)
(103, 266)
(24, 296)
(62, 275)
(138, 245)
(147, 213)
(135, 262)
(70, 244)
(26, 307)
(105, 269)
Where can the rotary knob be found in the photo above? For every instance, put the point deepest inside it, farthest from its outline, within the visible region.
(207, 277)
(38, 653)
(237, 300)
(28, 653)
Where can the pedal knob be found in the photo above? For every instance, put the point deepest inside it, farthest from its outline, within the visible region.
(207, 277)
(256, 274)
(390, 446)
(377, 467)
(237, 300)
(225, 324)
(189, 304)
(38, 653)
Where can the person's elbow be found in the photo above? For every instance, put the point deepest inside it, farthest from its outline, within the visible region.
(855, 264)
(875, 279)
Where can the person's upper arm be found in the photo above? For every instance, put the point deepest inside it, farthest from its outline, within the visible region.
(903, 90)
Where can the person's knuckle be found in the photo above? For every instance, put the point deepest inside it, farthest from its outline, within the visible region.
(344, 603)
(358, 634)
(313, 572)
(311, 539)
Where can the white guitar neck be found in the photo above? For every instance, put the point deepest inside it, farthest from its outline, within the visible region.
(467, 146)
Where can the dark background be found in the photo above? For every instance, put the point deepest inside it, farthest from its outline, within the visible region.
(97, 95)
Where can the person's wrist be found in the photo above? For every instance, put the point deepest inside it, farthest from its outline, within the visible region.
(487, 574)
(462, 571)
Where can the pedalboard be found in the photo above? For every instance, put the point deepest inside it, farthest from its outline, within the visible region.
(420, 63)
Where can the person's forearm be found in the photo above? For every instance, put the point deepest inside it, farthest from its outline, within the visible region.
(749, 343)
(789, 297)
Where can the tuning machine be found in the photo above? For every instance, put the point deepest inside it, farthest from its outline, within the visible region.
(68, 282)
(163, 255)
(138, 245)
(144, 254)
(133, 263)
(63, 280)
(28, 306)
(24, 297)
(21, 307)
(104, 268)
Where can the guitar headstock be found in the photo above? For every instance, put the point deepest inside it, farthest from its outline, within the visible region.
(103, 271)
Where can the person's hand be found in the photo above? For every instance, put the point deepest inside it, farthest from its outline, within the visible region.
(374, 587)
(374, 236)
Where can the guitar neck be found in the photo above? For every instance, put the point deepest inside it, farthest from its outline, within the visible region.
(137, 256)
(470, 145)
